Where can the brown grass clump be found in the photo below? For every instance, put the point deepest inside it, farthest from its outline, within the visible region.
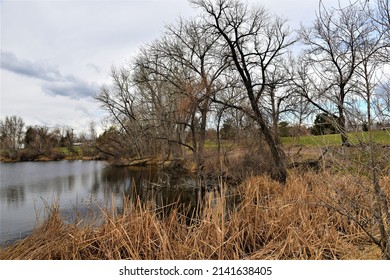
(297, 221)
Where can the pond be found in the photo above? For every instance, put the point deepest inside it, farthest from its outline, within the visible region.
(28, 188)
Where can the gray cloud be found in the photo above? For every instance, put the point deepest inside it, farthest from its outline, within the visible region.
(72, 88)
(94, 67)
(12, 63)
(54, 83)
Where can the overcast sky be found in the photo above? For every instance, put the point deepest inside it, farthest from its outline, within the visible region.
(55, 55)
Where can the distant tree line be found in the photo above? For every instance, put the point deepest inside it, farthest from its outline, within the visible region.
(20, 142)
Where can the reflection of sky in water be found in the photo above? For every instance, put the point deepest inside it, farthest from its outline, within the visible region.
(27, 187)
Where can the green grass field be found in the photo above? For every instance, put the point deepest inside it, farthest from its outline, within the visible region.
(379, 136)
(66, 152)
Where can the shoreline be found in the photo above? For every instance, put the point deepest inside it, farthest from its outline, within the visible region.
(48, 159)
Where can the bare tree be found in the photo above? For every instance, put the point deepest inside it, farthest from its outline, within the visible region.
(185, 58)
(11, 132)
(194, 44)
(384, 13)
(255, 41)
(348, 42)
(167, 94)
(332, 58)
(373, 47)
(41, 141)
(92, 131)
(119, 99)
(279, 98)
(379, 11)
(381, 102)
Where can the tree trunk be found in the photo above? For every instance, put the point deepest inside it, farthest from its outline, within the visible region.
(219, 138)
(275, 117)
(194, 139)
(279, 171)
(341, 123)
(202, 133)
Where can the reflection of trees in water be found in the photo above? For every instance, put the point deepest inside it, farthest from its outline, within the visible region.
(85, 178)
(156, 189)
(57, 185)
(13, 195)
(95, 182)
(71, 182)
(159, 190)
(147, 184)
(124, 180)
(150, 185)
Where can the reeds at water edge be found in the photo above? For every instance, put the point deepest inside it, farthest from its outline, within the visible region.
(295, 221)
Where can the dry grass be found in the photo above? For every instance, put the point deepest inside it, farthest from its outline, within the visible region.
(270, 222)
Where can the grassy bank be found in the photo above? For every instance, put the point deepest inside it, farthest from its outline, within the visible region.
(296, 221)
(54, 154)
(379, 136)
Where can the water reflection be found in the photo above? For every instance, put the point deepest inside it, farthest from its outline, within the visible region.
(151, 185)
(25, 189)
(14, 195)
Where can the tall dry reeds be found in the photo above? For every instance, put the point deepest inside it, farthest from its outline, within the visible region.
(296, 221)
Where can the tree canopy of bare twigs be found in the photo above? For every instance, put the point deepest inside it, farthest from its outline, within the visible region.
(255, 42)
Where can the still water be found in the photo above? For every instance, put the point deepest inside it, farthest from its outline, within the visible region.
(27, 187)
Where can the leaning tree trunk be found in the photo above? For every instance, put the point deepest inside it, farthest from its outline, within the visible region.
(279, 171)
(202, 133)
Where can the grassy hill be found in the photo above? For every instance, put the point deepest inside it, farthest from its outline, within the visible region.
(379, 136)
